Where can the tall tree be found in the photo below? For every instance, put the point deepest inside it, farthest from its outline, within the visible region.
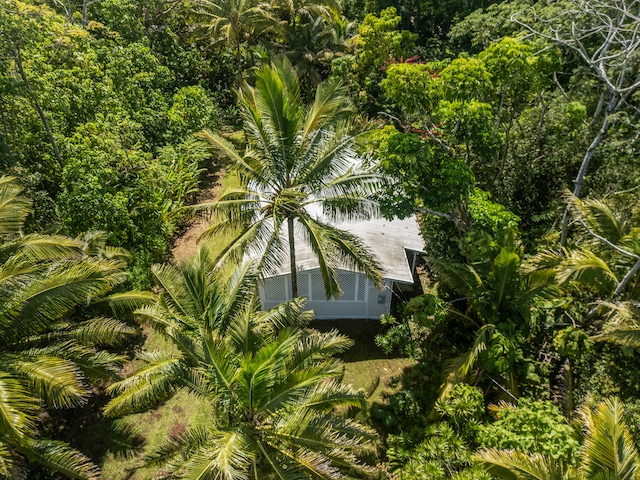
(605, 35)
(45, 357)
(298, 161)
(274, 385)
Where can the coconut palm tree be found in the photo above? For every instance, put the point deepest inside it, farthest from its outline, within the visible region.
(311, 47)
(608, 452)
(232, 22)
(273, 385)
(299, 170)
(45, 357)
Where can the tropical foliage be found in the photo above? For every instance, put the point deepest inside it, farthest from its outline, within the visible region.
(608, 451)
(273, 384)
(488, 118)
(498, 296)
(47, 358)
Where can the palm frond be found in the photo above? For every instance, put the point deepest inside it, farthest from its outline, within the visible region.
(312, 464)
(13, 208)
(544, 260)
(599, 217)
(277, 99)
(152, 384)
(223, 370)
(100, 365)
(623, 323)
(273, 467)
(314, 345)
(316, 236)
(18, 408)
(175, 449)
(176, 296)
(65, 286)
(608, 449)
(329, 155)
(330, 104)
(34, 248)
(98, 331)
(286, 315)
(460, 367)
(224, 146)
(588, 268)
(353, 254)
(299, 384)
(94, 244)
(225, 456)
(327, 395)
(6, 461)
(513, 465)
(62, 458)
(262, 370)
(463, 279)
(55, 380)
(240, 292)
(125, 302)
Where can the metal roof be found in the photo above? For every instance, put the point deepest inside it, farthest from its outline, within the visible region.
(388, 241)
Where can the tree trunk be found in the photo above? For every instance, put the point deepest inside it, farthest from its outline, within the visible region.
(623, 283)
(292, 258)
(36, 104)
(602, 133)
(85, 9)
(238, 64)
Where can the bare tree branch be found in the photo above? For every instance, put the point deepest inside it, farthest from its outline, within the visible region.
(606, 35)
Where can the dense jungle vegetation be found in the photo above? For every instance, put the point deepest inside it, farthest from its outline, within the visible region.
(512, 131)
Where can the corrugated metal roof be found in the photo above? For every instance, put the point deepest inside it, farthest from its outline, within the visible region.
(386, 239)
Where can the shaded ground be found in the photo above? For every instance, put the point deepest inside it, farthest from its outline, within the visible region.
(185, 244)
(363, 332)
(367, 367)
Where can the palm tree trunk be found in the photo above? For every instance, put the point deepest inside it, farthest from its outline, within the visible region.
(292, 258)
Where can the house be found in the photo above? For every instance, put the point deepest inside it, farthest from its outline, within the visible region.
(395, 244)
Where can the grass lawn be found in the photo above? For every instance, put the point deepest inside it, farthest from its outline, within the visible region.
(366, 366)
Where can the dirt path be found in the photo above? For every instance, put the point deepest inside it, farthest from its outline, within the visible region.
(187, 243)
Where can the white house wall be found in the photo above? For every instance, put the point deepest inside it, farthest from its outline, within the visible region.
(359, 299)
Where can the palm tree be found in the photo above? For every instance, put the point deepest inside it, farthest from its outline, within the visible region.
(498, 296)
(232, 22)
(274, 386)
(607, 259)
(299, 161)
(45, 357)
(604, 264)
(608, 452)
(307, 9)
(312, 46)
